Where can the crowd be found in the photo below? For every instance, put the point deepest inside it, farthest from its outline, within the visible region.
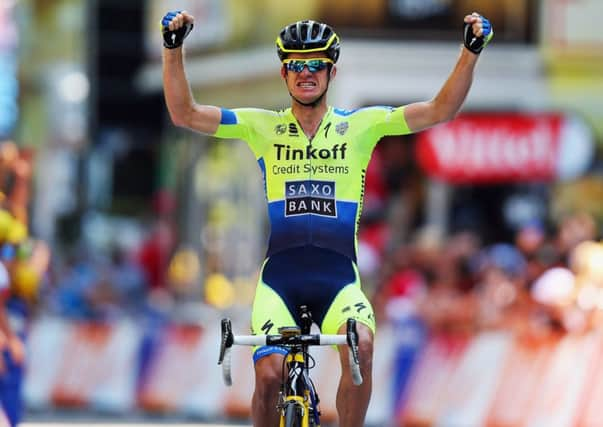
(544, 277)
(120, 277)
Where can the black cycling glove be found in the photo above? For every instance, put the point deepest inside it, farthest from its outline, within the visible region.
(477, 44)
(174, 39)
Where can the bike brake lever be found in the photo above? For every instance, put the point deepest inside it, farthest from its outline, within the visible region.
(227, 338)
(352, 337)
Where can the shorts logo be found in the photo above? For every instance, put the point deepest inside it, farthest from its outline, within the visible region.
(358, 307)
(280, 129)
(310, 197)
(266, 327)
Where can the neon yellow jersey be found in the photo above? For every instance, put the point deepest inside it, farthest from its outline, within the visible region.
(314, 188)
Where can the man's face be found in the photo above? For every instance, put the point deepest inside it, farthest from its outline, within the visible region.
(307, 86)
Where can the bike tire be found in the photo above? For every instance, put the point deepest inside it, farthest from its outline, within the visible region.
(293, 415)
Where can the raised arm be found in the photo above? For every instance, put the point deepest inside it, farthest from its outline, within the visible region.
(183, 109)
(450, 98)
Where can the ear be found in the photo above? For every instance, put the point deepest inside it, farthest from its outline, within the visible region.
(284, 72)
(333, 72)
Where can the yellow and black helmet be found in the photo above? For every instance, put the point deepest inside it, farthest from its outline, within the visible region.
(308, 36)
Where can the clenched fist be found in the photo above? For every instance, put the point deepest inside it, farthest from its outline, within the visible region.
(175, 26)
(477, 32)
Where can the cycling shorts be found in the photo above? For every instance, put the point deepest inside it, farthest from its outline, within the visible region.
(325, 281)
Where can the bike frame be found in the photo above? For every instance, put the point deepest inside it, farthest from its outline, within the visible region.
(296, 386)
(297, 389)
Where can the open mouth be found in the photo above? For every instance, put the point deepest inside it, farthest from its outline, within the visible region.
(306, 85)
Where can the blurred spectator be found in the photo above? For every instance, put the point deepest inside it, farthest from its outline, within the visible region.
(574, 229)
(533, 243)
(530, 237)
(155, 254)
(501, 256)
(76, 280)
(404, 185)
(449, 306)
(401, 285)
(500, 271)
(430, 277)
(123, 283)
(97, 287)
(158, 247)
(554, 292)
(184, 274)
(406, 269)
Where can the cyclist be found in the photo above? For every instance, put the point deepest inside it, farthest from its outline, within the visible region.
(313, 158)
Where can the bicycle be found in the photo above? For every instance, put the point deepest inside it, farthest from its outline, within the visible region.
(298, 402)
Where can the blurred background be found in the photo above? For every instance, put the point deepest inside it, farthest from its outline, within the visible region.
(125, 239)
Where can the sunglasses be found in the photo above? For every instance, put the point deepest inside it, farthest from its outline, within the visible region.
(314, 64)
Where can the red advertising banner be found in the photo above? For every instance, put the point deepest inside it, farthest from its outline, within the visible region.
(563, 390)
(590, 411)
(439, 361)
(509, 147)
(488, 379)
(172, 375)
(97, 366)
(521, 377)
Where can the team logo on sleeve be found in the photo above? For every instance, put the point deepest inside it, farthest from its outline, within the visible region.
(342, 128)
(280, 129)
(310, 197)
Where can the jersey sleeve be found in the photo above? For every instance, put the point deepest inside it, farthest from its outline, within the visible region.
(247, 124)
(377, 122)
(389, 121)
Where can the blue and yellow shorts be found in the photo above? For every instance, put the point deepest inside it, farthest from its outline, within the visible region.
(325, 281)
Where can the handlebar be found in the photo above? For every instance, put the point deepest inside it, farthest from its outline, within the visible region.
(229, 339)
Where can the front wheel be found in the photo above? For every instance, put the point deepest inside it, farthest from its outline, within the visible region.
(293, 415)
